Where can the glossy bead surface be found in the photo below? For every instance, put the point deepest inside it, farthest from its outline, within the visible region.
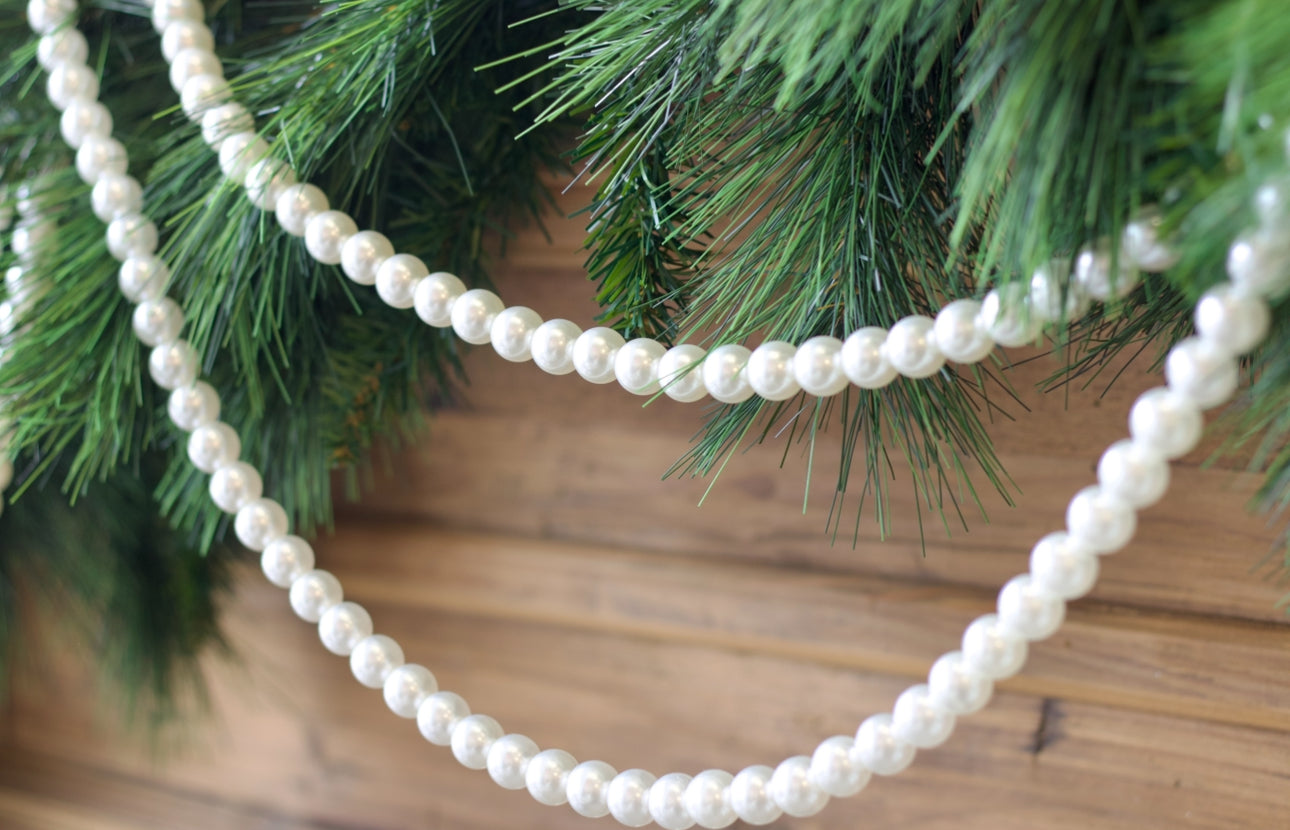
(157, 321)
(224, 121)
(313, 593)
(991, 650)
(185, 34)
(959, 335)
(667, 802)
(547, 776)
(201, 93)
(508, 760)
(956, 687)
(68, 82)
(265, 181)
(1132, 471)
(1232, 321)
(879, 749)
(1142, 245)
(512, 333)
(552, 346)
(28, 239)
(45, 16)
(750, 795)
(707, 799)
(1030, 610)
(864, 360)
(190, 407)
(235, 485)
(260, 522)
(1099, 521)
(1099, 278)
(239, 152)
(173, 364)
(406, 689)
(143, 278)
(918, 719)
(595, 353)
(1054, 297)
(1203, 374)
(374, 659)
(297, 205)
(794, 791)
(362, 254)
(439, 715)
(628, 797)
(66, 45)
(817, 366)
(1006, 315)
(836, 770)
(99, 156)
(1259, 262)
(326, 231)
(191, 62)
(285, 560)
(165, 13)
(116, 194)
(212, 446)
(1059, 565)
(82, 119)
(1166, 422)
(396, 280)
(434, 297)
(473, 313)
(342, 626)
(724, 376)
(588, 788)
(911, 347)
(770, 370)
(472, 738)
(636, 365)
(680, 382)
(131, 235)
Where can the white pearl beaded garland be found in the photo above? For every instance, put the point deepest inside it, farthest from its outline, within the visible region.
(750, 795)
(667, 802)
(771, 371)
(628, 797)
(472, 313)
(587, 788)
(512, 333)
(373, 659)
(406, 689)
(547, 776)
(911, 348)
(508, 760)
(472, 738)
(343, 626)
(707, 799)
(794, 791)
(836, 769)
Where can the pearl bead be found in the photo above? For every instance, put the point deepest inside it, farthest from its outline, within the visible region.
(28, 239)
(235, 485)
(131, 235)
(588, 788)
(143, 278)
(1259, 262)
(793, 790)
(917, 720)
(473, 313)
(1094, 274)
(1006, 315)
(1272, 202)
(880, 750)
(212, 446)
(954, 686)
(223, 122)
(547, 775)
(396, 280)
(285, 560)
(1232, 321)
(239, 152)
(325, 233)
(991, 650)
(1029, 610)
(98, 156)
(83, 118)
(1054, 298)
(204, 92)
(864, 360)
(69, 82)
(297, 205)
(114, 195)
(817, 367)
(157, 321)
(173, 364)
(185, 34)
(512, 333)
(770, 370)
(836, 770)
(750, 795)
(1099, 521)
(636, 366)
(314, 593)
(1133, 472)
(911, 347)
(66, 45)
(1166, 422)
(707, 799)
(406, 689)
(680, 382)
(342, 626)
(508, 760)
(594, 354)
(958, 335)
(168, 12)
(472, 738)
(724, 376)
(362, 254)
(1202, 373)
(1141, 244)
(190, 63)
(265, 181)
(628, 797)
(193, 406)
(1059, 565)
(667, 802)
(45, 16)
(434, 297)
(438, 716)
(259, 523)
(374, 659)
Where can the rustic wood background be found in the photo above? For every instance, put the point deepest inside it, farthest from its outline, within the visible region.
(530, 554)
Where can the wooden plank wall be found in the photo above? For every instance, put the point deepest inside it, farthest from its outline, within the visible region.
(530, 553)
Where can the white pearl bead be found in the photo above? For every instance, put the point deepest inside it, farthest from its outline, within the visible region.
(66, 45)
(667, 802)
(239, 152)
(1059, 565)
(1133, 472)
(679, 381)
(143, 278)
(1272, 202)
(259, 523)
(750, 795)
(552, 346)
(193, 406)
(83, 118)
(167, 12)
(313, 593)
(636, 365)
(28, 239)
(157, 321)
(396, 280)
(265, 181)
(1029, 610)
(794, 791)
(225, 121)
(954, 686)
(1100, 521)
(707, 799)
(1202, 373)
(628, 797)
(864, 360)
(374, 659)
(1141, 244)
(817, 367)
(204, 92)
(406, 689)
(131, 235)
(588, 788)
(917, 719)
(508, 760)
(911, 347)
(362, 254)
(69, 82)
(45, 16)
(1166, 422)
(297, 205)
(724, 374)
(1232, 321)
(1054, 297)
(173, 364)
(1093, 273)
(1259, 262)
(836, 770)
(434, 297)
(285, 560)
(235, 485)
(880, 750)
(439, 715)
(114, 195)
(212, 446)
(98, 156)
(594, 354)
(185, 34)
(472, 738)
(959, 336)
(770, 370)
(1006, 315)
(473, 313)
(342, 626)
(512, 333)
(547, 775)
(189, 63)
(325, 233)
(991, 650)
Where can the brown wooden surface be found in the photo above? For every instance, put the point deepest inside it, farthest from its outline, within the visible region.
(530, 554)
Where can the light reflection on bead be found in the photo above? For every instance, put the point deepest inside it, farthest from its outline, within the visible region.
(285, 560)
(667, 802)
(1203, 374)
(1059, 565)
(1232, 321)
(260, 522)
(235, 485)
(342, 626)
(636, 366)
(628, 797)
(509, 758)
(1166, 422)
(880, 750)
(770, 370)
(313, 593)
(552, 346)
(956, 687)
(959, 335)
(817, 367)
(473, 313)
(794, 791)
(296, 206)
(1099, 521)
(836, 770)
(1134, 472)
(547, 776)
(587, 788)
(990, 650)
(439, 715)
(918, 720)
(724, 376)
(397, 278)
(406, 689)
(1030, 610)
(434, 297)
(679, 381)
(374, 659)
(707, 799)
(1006, 315)
(512, 333)
(362, 254)
(594, 354)
(190, 407)
(472, 737)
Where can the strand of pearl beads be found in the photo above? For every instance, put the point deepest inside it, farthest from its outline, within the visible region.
(1164, 424)
(964, 331)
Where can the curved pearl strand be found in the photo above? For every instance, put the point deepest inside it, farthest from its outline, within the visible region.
(1165, 423)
